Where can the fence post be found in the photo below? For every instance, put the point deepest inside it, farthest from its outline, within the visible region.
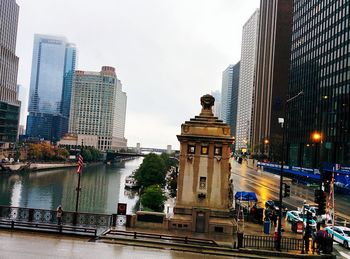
(186, 239)
(12, 224)
(30, 215)
(114, 220)
(240, 239)
(135, 235)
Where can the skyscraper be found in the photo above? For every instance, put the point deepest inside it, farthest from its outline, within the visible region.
(272, 70)
(217, 105)
(53, 65)
(320, 67)
(246, 81)
(9, 104)
(98, 109)
(229, 96)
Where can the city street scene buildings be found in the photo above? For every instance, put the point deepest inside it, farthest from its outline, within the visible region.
(263, 171)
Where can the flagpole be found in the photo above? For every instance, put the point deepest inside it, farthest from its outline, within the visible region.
(80, 168)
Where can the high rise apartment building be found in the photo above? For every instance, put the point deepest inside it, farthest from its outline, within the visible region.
(53, 65)
(9, 104)
(320, 67)
(98, 109)
(246, 81)
(272, 70)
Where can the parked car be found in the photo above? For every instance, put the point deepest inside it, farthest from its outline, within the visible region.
(295, 215)
(326, 218)
(341, 235)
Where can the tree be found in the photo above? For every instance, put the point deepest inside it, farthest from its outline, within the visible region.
(86, 155)
(172, 183)
(95, 154)
(168, 161)
(61, 153)
(152, 171)
(153, 198)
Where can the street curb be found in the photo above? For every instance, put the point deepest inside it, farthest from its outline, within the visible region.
(222, 251)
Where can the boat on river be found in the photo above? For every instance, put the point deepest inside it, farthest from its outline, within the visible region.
(131, 183)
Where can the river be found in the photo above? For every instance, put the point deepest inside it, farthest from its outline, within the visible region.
(102, 187)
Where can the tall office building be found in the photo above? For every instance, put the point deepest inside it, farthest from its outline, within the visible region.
(53, 65)
(9, 104)
(229, 96)
(272, 70)
(98, 109)
(246, 81)
(320, 67)
(217, 105)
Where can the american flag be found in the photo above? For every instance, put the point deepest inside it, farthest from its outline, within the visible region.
(80, 164)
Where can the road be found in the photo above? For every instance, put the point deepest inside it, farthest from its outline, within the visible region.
(266, 186)
(26, 245)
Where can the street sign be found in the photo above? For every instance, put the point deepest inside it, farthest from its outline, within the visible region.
(121, 210)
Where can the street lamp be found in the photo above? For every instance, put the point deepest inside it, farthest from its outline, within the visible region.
(316, 138)
(283, 122)
(266, 150)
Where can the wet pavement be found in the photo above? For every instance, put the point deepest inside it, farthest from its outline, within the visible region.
(30, 245)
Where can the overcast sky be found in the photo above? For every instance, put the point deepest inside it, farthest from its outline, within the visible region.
(167, 53)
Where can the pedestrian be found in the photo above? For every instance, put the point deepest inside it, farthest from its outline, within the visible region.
(274, 218)
(59, 215)
(275, 237)
(321, 237)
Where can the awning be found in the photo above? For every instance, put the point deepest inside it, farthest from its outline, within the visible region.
(246, 196)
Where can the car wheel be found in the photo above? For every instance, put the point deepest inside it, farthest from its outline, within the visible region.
(346, 245)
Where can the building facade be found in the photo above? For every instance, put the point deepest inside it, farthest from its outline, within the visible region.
(98, 109)
(320, 67)
(53, 64)
(204, 194)
(246, 82)
(229, 96)
(9, 103)
(272, 71)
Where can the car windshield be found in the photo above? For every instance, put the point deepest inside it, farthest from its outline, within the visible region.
(347, 232)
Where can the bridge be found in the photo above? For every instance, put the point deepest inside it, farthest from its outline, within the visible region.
(132, 152)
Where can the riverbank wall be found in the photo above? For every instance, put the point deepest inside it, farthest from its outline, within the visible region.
(30, 167)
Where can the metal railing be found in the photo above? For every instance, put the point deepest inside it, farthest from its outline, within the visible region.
(49, 217)
(168, 238)
(268, 242)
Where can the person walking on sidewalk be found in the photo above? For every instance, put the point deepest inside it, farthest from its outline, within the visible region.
(59, 215)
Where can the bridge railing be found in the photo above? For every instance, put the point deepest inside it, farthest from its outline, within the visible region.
(49, 217)
(268, 242)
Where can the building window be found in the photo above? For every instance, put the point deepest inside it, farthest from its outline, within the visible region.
(191, 149)
(202, 182)
(218, 151)
(204, 150)
(219, 229)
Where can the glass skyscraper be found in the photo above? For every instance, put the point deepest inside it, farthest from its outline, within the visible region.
(9, 104)
(229, 96)
(53, 65)
(320, 67)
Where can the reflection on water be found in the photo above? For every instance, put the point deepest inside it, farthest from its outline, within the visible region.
(102, 188)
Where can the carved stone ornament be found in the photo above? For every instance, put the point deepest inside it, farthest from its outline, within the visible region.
(207, 101)
(186, 128)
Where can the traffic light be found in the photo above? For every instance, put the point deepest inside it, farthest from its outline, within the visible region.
(286, 190)
(322, 203)
(326, 177)
(317, 196)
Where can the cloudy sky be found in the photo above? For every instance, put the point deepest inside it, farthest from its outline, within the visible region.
(167, 53)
